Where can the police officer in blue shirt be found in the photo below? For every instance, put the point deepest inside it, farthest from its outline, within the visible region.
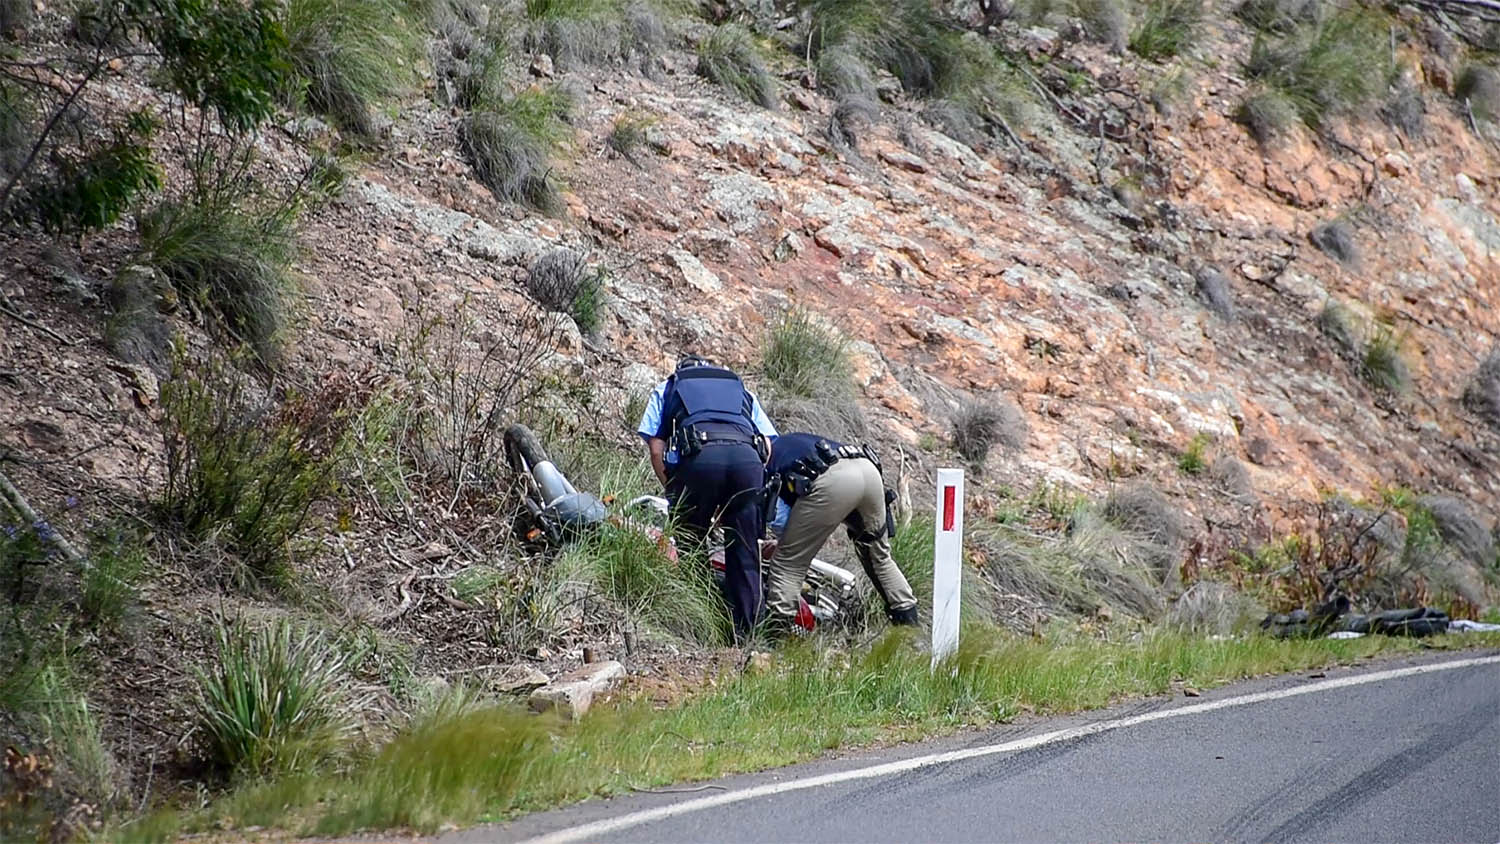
(709, 440)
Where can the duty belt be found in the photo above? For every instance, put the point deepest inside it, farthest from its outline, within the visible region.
(692, 439)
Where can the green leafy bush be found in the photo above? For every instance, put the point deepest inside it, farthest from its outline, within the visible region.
(728, 58)
(92, 189)
(244, 472)
(275, 700)
(1330, 67)
(232, 259)
(348, 55)
(1167, 28)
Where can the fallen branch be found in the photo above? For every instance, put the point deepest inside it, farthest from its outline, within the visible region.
(31, 323)
(18, 502)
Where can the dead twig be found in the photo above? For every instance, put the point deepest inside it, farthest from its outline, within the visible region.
(31, 323)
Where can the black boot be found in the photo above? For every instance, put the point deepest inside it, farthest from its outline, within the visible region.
(904, 618)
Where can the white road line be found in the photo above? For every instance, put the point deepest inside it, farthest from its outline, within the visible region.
(615, 824)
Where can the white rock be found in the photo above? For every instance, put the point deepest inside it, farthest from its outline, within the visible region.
(571, 694)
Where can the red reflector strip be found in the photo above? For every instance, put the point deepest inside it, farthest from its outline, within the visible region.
(950, 508)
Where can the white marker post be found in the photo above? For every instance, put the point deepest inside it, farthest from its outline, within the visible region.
(948, 548)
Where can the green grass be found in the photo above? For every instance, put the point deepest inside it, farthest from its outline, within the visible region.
(108, 588)
(510, 146)
(1384, 367)
(348, 56)
(807, 377)
(1193, 461)
(274, 700)
(729, 59)
(487, 763)
(1167, 28)
(1322, 69)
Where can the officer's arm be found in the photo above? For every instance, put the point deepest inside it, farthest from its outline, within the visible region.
(658, 447)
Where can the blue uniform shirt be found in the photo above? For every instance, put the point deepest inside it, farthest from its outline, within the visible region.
(651, 421)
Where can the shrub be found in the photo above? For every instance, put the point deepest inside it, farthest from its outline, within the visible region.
(90, 190)
(807, 378)
(1210, 608)
(1105, 22)
(1335, 239)
(107, 589)
(1482, 395)
(1166, 29)
(1339, 324)
(274, 700)
(1144, 512)
(842, 74)
(1192, 460)
(347, 55)
(1214, 290)
(980, 424)
(562, 281)
(1267, 114)
(242, 471)
(1383, 367)
(232, 259)
(1479, 87)
(1327, 68)
(728, 58)
(908, 38)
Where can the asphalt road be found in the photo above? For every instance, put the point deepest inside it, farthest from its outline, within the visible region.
(1413, 758)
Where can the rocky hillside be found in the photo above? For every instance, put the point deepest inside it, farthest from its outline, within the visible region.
(1139, 289)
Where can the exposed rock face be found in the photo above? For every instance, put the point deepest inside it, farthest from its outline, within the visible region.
(959, 273)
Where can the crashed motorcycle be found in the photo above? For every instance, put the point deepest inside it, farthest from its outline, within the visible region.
(556, 513)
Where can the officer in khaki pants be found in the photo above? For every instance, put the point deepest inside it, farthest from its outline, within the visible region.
(826, 483)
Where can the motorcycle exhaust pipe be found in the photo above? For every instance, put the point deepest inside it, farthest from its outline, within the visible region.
(552, 483)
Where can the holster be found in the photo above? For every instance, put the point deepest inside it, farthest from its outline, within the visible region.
(768, 497)
(890, 512)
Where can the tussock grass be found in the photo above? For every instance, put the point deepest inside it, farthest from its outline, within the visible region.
(107, 587)
(629, 134)
(1479, 87)
(510, 146)
(1266, 114)
(234, 261)
(348, 55)
(576, 32)
(1340, 325)
(843, 74)
(1105, 22)
(1327, 68)
(43, 701)
(728, 58)
(274, 700)
(632, 571)
(1166, 29)
(808, 379)
(1280, 15)
(981, 424)
(1384, 367)
(492, 761)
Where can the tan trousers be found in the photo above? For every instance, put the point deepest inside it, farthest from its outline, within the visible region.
(849, 486)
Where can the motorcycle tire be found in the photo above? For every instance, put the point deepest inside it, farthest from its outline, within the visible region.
(523, 450)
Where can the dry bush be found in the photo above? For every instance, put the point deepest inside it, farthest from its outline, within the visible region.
(1214, 290)
(1461, 529)
(1479, 88)
(1482, 395)
(1335, 239)
(462, 383)
(1146, 513)
(980, 424)
(1105, 22)
(1213, 609)
(1406, 110)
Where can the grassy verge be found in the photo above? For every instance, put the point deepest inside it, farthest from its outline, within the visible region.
(469, 763)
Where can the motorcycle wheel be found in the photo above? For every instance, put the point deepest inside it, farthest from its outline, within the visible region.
(523, 450)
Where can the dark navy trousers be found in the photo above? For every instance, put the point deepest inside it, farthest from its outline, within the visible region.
(728, 476)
